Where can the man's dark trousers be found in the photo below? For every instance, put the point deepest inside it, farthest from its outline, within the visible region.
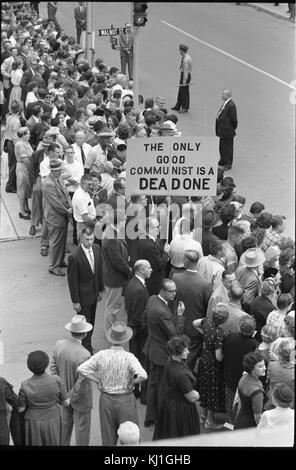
(226, 151)
(89, 311)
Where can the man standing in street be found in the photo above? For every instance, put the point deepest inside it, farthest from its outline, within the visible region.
(136, 297)
(68, 354)
(183, 101)
(57, 210)
(80, 17)
(52, 14)
(126, 51)
(162, 326)
(116, 269)
(85, 279)
(195, 292)
(226, 124)
(116, 372)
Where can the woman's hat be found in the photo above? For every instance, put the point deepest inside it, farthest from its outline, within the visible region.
(283, 394)
(78, 324)
(37, 361)
(251, 258)
(119, 333)
(15, 107)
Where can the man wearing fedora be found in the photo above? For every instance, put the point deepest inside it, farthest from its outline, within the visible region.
(248, 276)
(57, 210)
(182, 104)
(209, 219)
(85, 279)
(68, 354)
(116, 373)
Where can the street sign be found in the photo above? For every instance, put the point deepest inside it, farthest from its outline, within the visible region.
(172, 166)
(111, 31)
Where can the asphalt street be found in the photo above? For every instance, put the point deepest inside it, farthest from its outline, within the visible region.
(35, 305)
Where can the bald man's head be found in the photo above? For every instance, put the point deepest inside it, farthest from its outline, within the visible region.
(226, 94)
(143, 268)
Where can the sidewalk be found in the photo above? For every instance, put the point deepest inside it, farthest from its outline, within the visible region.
(279, 11)
(11, 226)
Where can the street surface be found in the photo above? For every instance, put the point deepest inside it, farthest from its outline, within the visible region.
(35, 305)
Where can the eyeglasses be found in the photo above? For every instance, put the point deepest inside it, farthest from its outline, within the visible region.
(175, 290)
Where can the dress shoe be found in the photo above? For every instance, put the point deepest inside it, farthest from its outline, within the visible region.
(10, 190)
(63, 264)
(28, 211)
(26, 217)
(32, 230)
(56, 272)
(174, 108)
(44, 251)
(183, 111)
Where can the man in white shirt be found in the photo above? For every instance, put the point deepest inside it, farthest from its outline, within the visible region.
(72, 183)
(84, 211)
(97, 156)
(81, 149)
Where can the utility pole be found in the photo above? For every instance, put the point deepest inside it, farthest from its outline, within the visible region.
(89, 54)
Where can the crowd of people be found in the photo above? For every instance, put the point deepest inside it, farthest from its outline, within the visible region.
(194, 314)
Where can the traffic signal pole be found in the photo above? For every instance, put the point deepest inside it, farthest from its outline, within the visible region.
(136, 66)
(88, 44)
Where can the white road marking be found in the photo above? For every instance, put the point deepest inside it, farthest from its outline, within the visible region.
(230, 55)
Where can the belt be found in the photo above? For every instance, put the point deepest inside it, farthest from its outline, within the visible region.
(117, 394)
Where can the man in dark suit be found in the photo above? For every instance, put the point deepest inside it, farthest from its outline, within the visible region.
(57, 209)
(195, 293)
(162, 325)
(136, 296)
(117, 199)
(147, 248)
(85, 279)
(116, 269)
(28, 77)
(226, 124)
(80, 18)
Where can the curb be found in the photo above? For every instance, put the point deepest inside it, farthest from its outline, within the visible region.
(267, 10)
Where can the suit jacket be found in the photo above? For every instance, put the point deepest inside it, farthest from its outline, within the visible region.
(136, 297)
(71, 109)
(84, 285)
(148, 249)
(26, 78)
(226, 121)
(116, 269)
(260, 308)
(36, 159)
(68, 354)
(56, 202)
(195, 293)
(40, 130)
(80, 16)
(162, 325)
(114, 201)
(250, 283)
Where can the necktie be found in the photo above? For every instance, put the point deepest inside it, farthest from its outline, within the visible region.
(181, 65)
(91, 259)
(82, 156)
(80, 9)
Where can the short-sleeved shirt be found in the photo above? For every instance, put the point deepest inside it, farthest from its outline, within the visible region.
(82, 204)
(115, 369)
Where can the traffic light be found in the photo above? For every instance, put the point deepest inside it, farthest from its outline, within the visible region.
(140, 15)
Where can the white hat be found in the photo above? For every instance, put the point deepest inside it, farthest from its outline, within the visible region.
(78, 324)
(129, 433)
